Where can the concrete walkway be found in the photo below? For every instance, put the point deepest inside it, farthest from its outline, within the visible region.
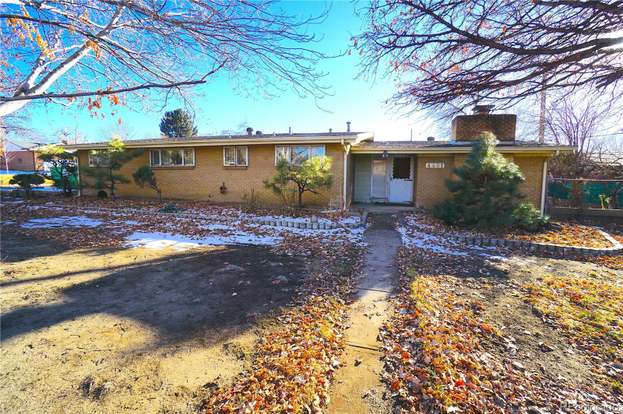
(358, 387)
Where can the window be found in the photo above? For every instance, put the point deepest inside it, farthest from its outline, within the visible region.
(435, 165)
(98, 158)
(297, 154)
(172, 157)
(235, 156)
(402, 168)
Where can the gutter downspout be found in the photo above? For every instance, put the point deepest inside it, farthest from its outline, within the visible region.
(79, 173)
(543, 187)
(345, 174)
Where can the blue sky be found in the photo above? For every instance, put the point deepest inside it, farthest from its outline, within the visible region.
(218, 107)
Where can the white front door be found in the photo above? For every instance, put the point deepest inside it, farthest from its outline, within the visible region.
(379, 179)
(401, 180)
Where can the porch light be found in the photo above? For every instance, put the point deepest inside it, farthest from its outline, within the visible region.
(385, 154)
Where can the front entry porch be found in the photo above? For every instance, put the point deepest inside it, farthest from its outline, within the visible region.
(384, 179)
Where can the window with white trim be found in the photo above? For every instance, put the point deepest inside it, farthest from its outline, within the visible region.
(98, 158)
(236, 156)
(297, 154)
(172, 157)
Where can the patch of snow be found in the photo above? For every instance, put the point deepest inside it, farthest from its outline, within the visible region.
(418, 235)
(426, 241)
(216, 226)
(158, 240)
(128, 222)
(288, 218)
(354, 235)
(62, 221)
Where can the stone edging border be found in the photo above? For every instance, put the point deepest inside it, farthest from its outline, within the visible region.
(309, 224)
(536, 247)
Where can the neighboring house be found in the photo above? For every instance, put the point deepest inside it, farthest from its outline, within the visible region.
(19, 158)
(225, 168)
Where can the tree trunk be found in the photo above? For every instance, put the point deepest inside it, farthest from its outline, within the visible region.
(300, 199)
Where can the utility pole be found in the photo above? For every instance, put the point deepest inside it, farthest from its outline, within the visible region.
(542, 114)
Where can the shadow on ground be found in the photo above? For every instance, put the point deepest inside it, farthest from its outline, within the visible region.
(17, 248)
(180, 296)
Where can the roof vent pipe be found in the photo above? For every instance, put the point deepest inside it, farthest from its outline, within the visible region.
(347, 126)
(430, 139)
(330, 130)
(289, 130)
(249, 131)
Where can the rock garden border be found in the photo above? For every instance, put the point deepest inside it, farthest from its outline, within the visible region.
(310, 223)
(543, 248)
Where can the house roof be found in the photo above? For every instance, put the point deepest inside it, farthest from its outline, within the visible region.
(361, 143)
(215, 140)
(440, 147)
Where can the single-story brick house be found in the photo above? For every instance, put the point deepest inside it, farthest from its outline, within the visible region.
(225, 168)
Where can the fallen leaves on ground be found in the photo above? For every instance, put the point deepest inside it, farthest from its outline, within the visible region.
(590, 309)
(436, 354)
(615, 261)
(294, 365)
(199, 220)
(564, 233)
(444, 353)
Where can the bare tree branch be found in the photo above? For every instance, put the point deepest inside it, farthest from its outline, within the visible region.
(461, 52)
(77, 48)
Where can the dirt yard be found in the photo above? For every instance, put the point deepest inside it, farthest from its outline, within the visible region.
(132, 330)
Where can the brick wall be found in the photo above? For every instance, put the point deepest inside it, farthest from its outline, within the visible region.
(203, 181)
(430, 183)
(469, 127)
(431, 188)
(532, 169)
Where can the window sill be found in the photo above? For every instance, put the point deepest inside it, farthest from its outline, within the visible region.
(235, 167)
(173, 167)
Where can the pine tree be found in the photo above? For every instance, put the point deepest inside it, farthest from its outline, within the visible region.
(108, 162)
(178, 123)
(145, 176)
(310, 176)
(64, 171)
(486, 192)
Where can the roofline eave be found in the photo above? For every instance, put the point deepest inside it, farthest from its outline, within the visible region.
(327, 139)
(462, 150)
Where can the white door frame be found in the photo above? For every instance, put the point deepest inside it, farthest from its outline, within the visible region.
(408, 181)
(372, 197)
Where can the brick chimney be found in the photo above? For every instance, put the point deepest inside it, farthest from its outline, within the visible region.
(469, 127)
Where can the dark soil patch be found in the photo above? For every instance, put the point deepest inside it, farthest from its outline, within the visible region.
(132, 330)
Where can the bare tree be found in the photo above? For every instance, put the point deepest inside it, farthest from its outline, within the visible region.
(460, 52)
(575, 120)
(6, 156)
(61, 50)
(580, 121)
